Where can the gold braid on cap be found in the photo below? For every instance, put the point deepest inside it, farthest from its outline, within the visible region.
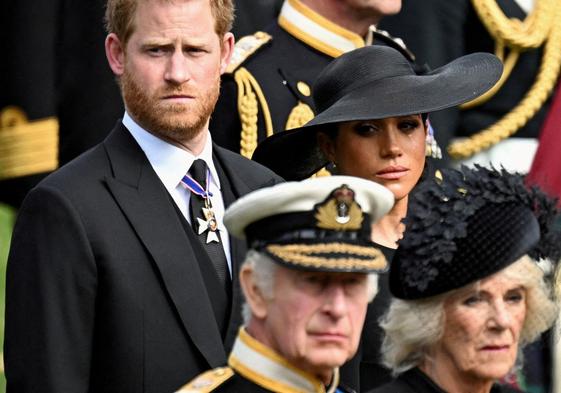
(306, 256)
(542, 25)
(249, 92)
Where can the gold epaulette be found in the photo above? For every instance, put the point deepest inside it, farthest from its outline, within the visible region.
(26, 148)
(245, 47)
(208, 381)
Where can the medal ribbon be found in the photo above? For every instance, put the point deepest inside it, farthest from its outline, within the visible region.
(194, 186)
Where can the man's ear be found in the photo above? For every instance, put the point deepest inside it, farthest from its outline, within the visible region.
(326, 145)
(115, 52)
(253, 295)
(227, 50)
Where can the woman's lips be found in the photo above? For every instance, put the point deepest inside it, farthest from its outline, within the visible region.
(495, 348)
(392, 173)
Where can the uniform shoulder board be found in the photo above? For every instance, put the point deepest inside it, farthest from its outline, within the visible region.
(208, 381)
(245, 47)
(394, 42)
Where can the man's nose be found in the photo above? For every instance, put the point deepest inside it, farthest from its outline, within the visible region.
(335, 300)
(177, 71)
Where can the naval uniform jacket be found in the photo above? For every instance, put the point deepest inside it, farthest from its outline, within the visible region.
(267, 87)
(439, 32)
(415, 381)
(253, 367)
(107, 288)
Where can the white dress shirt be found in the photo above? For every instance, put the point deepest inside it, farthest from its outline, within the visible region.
(171, 163)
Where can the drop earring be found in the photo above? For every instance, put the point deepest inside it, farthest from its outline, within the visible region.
(431, 146)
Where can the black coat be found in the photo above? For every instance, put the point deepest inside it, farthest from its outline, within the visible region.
(105, 291)
(415, 381)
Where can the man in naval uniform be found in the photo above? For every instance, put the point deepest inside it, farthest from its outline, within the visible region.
(267, 86)
(307, 281)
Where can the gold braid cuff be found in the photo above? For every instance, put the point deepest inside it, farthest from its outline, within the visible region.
(26, 148)
(304, 255)
(534, 98)
(249, 92)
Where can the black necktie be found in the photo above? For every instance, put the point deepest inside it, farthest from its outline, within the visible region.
(214, 249)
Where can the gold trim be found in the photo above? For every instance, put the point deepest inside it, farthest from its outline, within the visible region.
(263, 381)
(308, 39)
(327, 216)
(530, 33)
(304, 88)
(207, 381)
(544, 83)
(26, 148)
(303, 255)
(299, 115)
(260, 380)
(245, 47)
(326, 23)
(249, 92)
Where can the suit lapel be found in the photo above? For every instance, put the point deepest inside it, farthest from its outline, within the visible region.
(232, 189)
(144, 200)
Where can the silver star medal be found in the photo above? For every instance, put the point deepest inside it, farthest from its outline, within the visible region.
(209, 225)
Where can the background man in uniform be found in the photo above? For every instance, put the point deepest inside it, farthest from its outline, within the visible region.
(267, 86)
(121, 275)
(306, 284)
(56, 78)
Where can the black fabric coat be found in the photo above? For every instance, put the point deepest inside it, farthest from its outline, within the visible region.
(105, 290)
(415, 381)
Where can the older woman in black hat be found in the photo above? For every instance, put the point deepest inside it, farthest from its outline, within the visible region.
(469, 290)
(371, 123)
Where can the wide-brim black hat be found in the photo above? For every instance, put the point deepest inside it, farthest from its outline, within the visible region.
(374, 82)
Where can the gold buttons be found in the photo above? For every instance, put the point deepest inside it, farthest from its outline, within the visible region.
(303, 88)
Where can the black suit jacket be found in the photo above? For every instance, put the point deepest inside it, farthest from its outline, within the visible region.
(104, 293)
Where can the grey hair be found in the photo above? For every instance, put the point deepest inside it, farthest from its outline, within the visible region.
(412, 327)
(264, 269)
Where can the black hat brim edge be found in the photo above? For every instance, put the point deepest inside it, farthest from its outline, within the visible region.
(457, 82)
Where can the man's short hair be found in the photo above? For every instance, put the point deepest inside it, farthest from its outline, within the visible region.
(119, 16)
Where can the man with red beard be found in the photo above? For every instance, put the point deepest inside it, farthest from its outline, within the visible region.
(121, 275)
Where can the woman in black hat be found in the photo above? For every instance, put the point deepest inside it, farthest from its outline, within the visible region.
(371, 122)
(469, 291)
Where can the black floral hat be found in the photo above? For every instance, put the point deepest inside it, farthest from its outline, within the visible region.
(466, 225)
